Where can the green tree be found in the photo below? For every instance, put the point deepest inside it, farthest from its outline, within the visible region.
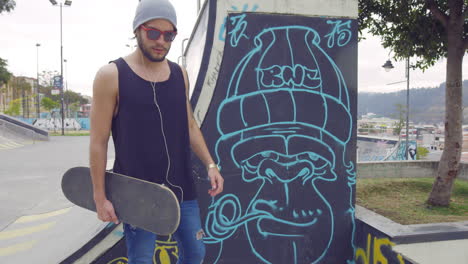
(74, 107)
(72, 97)
(20, 90)
(7, 5)
(400, 117)
(14, 107)
(49, 104)
(428, 30)
(5, 75)
(46, 80)
(421, 152)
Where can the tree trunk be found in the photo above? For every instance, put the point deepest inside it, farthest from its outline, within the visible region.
(450, 160)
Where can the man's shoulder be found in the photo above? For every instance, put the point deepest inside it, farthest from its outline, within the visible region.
(108, 71)
(106, 79)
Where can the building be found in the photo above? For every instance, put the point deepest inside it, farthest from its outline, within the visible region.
(23, 89)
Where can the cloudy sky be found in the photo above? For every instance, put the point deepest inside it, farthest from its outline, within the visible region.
(95, 32)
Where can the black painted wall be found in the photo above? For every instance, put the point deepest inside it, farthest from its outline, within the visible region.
(281, 127)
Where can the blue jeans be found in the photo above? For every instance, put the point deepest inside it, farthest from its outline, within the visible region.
(189, 236)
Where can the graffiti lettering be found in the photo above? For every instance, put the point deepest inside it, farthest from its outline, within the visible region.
(121, 260)
(166, 252)
(237, 33)
(341, 31)
(213, 75)
(377, 244)
(222, 30)
(297, 75)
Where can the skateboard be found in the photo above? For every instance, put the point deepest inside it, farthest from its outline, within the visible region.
(149, 206)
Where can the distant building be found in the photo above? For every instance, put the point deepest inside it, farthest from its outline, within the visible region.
(24, 89)
(371, 124)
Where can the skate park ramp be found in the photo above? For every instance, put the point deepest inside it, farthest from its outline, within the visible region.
(269, 80)
(379, 148)
(276, 101)
(256, 70)
(274, 89)
(15, 133)
(371, 148)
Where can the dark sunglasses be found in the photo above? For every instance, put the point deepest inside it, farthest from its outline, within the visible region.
(154, 34)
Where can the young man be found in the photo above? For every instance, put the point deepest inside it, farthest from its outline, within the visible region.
(143, 100)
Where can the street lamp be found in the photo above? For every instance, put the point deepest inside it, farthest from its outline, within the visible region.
(66, 3)
(66, 87)
(38, 111)
(388, 66)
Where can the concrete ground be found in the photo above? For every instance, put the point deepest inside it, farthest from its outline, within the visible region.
(450, 251)
(33, 209)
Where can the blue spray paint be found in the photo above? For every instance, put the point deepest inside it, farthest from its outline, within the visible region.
(245, 8)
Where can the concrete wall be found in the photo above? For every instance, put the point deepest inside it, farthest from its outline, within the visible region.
(403, 169)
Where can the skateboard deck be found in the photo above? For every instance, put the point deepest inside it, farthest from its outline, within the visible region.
(150, 206)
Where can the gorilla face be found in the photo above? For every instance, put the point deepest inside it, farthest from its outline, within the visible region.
(287, 180)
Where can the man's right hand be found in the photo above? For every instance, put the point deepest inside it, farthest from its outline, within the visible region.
(105, 211)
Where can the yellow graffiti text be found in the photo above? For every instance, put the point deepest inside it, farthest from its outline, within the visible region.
(378, 257)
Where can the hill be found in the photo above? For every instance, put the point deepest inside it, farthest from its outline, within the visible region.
(427, 105)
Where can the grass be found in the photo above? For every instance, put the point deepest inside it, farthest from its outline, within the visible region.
(403, 200)
(69, 133)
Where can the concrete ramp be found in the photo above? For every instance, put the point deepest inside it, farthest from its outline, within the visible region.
(15, 133)
(375, 148)
(53, 237)
(274, 87)
(275, 95)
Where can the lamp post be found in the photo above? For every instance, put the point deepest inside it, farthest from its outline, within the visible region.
(38, 105)
(67, 99)
(66, 3)
(388, 66)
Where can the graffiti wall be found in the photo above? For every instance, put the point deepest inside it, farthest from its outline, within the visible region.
(384, 149)
(375, 149)
(53, 124)
(203, 85)
(280, 126)
(375, 247)
(400, 150)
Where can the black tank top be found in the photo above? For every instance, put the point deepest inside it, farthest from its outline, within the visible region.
(140, 148)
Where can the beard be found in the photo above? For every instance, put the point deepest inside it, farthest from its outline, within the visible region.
(147, 51)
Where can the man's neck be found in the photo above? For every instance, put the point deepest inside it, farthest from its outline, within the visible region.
(148, 64)
(148, 70)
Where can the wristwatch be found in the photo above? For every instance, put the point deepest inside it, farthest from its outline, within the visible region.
(211, 166)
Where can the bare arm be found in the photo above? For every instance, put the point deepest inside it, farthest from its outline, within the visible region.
(105, 89)
(198, 144)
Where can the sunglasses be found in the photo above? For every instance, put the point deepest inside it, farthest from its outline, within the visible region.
(154, 34)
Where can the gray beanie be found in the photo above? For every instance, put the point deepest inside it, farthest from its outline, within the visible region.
(153, 9)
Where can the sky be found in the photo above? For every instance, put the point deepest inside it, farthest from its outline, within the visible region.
(96, 32)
